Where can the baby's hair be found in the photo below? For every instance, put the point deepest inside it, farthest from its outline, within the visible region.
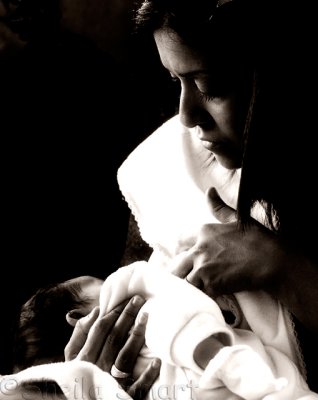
(42, 330)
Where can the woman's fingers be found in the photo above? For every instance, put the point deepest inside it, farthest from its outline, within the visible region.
(123, 367)
(100, 342)
(219, 208)
(117, 337)
(114, 341)
(80, 334)
(182, 264)
(140, 388)
(127, 356)
(98, 335)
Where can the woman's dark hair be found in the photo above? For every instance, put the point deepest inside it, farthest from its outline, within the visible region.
(197, 22)
(280, 165)
(264, 35)
(43, 332)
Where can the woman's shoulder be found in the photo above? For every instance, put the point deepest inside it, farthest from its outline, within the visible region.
(172, 151)
(164, 181)
(156, 159)
(165, 137)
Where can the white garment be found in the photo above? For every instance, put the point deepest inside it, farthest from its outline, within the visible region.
(164, 182)
(180, 317)
(79, 380)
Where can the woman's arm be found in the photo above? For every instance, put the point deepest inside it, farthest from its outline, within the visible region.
(299, 291)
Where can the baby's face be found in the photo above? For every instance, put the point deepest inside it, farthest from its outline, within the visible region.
(89, 289)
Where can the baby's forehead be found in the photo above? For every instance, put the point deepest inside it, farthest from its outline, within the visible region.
(83, 280)
(86, 285)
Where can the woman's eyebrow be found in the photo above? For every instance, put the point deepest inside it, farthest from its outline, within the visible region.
(197, 74)
(194, 74)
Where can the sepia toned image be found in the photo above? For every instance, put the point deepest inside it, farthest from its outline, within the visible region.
(158, 178)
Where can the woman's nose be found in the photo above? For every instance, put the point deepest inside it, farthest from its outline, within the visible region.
(191, 110)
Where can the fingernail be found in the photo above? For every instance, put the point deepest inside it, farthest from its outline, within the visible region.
(94, 311)
(156, 363)
(137, 301)
(143, 318)
(75, 314)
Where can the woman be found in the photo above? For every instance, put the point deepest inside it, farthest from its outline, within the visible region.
(236, 103)
(226, 96)
(240, 91)
(193, 325)
(116, 340)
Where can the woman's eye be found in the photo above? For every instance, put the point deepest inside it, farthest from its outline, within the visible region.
(206, 97)
(205, 90)
(211, 88)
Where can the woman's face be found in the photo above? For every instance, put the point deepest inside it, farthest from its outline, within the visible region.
(215, 115)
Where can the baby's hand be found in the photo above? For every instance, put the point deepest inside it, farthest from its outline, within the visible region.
(243, 372)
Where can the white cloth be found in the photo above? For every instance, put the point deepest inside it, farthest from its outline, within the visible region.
(164, 182)
(79, 380)
(180, 317)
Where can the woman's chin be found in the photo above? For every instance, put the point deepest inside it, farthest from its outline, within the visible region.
(228, 162)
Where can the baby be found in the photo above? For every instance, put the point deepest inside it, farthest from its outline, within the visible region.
(202, 356)
(43, 331)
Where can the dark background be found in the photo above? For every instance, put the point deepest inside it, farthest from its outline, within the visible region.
(77, 95)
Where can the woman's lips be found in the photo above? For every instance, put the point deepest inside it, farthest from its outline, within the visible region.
(212, 146)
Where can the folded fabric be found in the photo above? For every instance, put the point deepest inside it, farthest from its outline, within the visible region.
(173, 304)
(242, 371)
(77, 380)
(180, 317)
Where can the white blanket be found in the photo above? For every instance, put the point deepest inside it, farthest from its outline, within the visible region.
(180, 316)
(164, 182)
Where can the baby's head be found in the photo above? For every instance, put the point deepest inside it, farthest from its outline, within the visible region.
(47, 319)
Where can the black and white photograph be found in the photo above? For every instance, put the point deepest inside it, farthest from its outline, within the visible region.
(158, 185)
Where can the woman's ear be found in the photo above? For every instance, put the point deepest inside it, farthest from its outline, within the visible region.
(74, 315)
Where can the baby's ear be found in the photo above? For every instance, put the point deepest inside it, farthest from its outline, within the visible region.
(74, 315)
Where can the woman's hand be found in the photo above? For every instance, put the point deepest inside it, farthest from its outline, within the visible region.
(111, 346)
(226, 260)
